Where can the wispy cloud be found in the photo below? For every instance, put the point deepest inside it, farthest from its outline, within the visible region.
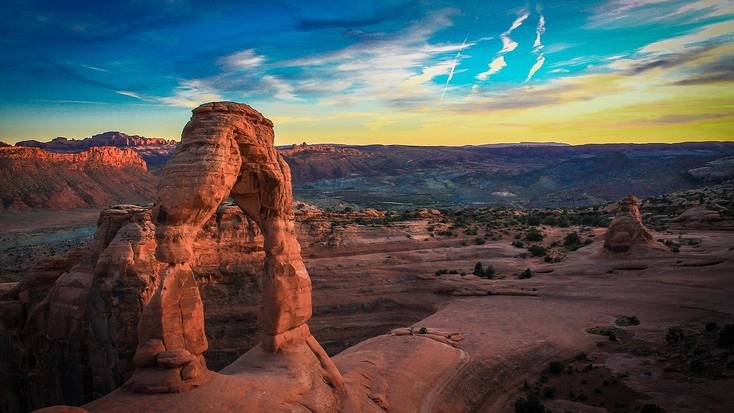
(130, 94)
(95, 68)
(538, 64)
(508, 45)
(494, 66)
(191, 93)
(396, 68)
(453, 68)
(539, 31)
(538, 45)
(246, 59)
(630, 13)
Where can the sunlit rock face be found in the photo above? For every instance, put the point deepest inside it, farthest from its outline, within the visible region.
(36, 179)
(226, 150)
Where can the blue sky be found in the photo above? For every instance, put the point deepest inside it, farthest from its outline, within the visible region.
(416, 72)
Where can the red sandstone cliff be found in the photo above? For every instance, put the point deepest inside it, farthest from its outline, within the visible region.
(155, 151)
(34, 178)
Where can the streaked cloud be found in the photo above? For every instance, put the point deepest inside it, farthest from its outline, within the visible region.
(630, 13)
(538, 46)
(508, 45)
(245, 59)
(538, 64)
(453, 68)
(494, 66)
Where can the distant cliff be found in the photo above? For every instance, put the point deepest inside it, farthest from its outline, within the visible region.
(155, 151)
(35, 178)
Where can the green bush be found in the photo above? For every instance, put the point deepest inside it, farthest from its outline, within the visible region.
(518, 243)
(572, 239)
(526, 274)
(555, 368)
(625, 320)
(534, 235)
(674, 335)
(480, 271)
(479, 241)
(530, 405)
(537, 250)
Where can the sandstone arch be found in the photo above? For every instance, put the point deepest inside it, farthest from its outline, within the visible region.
(226, 150)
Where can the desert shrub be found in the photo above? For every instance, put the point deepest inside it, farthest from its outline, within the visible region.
(479, 241)
(582, 356)
(526, 274)
(651, 408)
(572, 239)
(555, 368)
(518, 243)
(442, 272)
(537, 250)
(674, 335)
(530, 405)
(481, 271)
(712, 326)
(563, 222)
(624, 320)
(726, 336)
(549, 392)
(534, 235)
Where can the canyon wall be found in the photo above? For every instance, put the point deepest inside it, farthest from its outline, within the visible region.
(33, 178)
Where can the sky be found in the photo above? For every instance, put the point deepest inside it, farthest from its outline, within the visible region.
(363, 72)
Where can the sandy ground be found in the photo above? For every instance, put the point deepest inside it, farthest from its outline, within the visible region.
(511, 340)
(28, 236)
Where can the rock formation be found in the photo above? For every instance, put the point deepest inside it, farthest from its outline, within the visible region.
(34, 178)
(226, 149)
(627, 232)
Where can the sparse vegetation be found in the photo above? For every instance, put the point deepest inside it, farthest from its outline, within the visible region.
(624, 320)
(572, 241)
(534, 235)
(531, 404)
(484, 272)
(537, 250)
(674, 335)
(651, 408)
(525, 274)
(555, 368)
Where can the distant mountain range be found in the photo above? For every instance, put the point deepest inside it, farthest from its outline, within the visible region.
(525, 174)
(155, 151)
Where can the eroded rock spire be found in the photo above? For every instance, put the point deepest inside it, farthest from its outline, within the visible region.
(626, 231)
